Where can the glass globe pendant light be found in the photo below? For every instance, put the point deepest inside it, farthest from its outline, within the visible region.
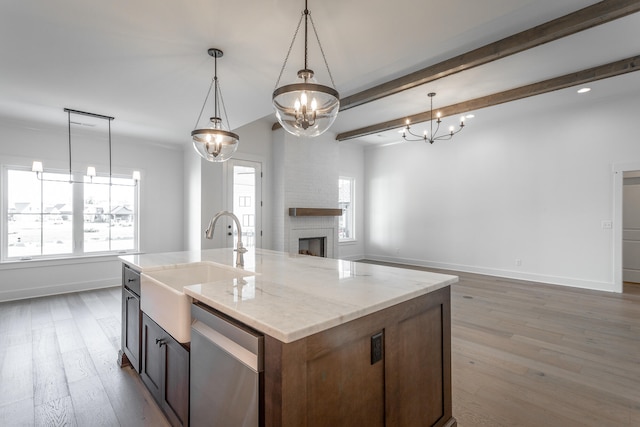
(306, 108)
(214, 143)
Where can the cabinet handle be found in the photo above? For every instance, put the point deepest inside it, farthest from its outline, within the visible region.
(160, 342)
(131, 280)
(128, 298)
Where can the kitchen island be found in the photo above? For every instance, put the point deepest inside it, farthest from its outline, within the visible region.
(345, 343)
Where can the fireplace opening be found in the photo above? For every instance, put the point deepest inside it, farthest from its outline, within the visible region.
(314, 246)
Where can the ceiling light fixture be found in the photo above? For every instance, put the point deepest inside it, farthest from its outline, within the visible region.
(215, 143)
(38, 168)
(306, 108)
(584, 90)
(431, 136)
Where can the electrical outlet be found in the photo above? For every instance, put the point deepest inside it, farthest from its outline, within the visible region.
(607, 225)
(518, 262)
(377, 347)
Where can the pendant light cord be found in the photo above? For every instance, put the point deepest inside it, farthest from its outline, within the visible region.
(326, 64)
(69, 129)
(295, 34)
(306, 14)
(217, 95)
(206, 98)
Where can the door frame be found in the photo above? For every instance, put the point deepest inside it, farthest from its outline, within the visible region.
(227, 194)
(618, 182)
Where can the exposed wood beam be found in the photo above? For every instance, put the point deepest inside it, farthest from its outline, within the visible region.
(583, 19)
(581, 77)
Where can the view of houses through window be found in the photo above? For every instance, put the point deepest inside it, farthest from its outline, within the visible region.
(346, 200)
(42, 217)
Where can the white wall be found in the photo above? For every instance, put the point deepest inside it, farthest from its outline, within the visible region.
(351, 159)
(530, 180)
(161, 204)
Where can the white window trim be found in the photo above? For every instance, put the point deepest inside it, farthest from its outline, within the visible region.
(354, 238)
(78, 226)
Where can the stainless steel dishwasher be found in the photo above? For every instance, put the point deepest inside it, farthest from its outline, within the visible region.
(226, 371)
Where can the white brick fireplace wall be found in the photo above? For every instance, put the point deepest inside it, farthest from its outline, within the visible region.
(306, 176)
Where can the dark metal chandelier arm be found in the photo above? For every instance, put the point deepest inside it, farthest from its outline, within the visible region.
(449, 135)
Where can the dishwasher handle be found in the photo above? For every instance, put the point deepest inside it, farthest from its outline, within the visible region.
(238, 352)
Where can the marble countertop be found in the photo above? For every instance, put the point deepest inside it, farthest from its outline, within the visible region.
(290, 296)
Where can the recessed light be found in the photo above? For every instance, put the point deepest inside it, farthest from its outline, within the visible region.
(584, 90)
(470, 116)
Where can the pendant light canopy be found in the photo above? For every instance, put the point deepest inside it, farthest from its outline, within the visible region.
(215, 143)
(306, 108)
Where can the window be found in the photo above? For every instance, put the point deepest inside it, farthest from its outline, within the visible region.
(42, 218)
(346, 201)
(245, 201)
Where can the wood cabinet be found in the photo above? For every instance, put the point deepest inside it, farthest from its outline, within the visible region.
(131, 319)
(332, 377)
(165, 371)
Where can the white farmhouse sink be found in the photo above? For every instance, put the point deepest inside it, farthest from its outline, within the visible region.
(163, 300)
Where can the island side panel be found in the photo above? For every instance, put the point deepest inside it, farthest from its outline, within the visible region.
(284, 374)
(328, 378)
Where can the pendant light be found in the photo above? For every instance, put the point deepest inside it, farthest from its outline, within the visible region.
(215, 143)
(306, 108)
(38, 168)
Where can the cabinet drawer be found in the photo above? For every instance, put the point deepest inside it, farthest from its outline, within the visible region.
(131, 279)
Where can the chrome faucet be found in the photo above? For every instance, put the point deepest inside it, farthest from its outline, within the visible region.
(208, 233)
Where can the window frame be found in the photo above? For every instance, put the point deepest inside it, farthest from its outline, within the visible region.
(77, 233)
(352, 228)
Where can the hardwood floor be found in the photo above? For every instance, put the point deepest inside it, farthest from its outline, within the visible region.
(529, 354)
(524, 354)
(58, 364)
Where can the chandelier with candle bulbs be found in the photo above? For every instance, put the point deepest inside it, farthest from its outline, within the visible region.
(431, 136)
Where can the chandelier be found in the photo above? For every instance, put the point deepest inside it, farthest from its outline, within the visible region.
(38, 167)
(431, 136)
(215, 143)
(306, 108)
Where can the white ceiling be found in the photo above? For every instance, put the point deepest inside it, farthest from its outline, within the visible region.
(145, 62)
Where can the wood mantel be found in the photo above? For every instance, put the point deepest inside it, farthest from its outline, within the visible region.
(314, 212)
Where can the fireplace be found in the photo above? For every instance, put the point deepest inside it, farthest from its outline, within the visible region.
(309, 239)
(314, 246)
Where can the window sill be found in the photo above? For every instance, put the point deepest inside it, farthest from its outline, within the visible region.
(57, 261)
(347, 242)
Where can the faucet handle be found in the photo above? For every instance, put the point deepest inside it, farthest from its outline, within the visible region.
(242, 250)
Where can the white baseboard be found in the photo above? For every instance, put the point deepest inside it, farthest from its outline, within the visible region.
(631, 275)
(510, 274)
(17, 294)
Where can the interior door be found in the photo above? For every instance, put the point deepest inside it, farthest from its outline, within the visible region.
(631, 228)
(245, 201)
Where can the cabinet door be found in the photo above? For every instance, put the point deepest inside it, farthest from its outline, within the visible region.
(153, 344)
(165, 371)
(131, 327)
(343, 387)
(176, 385)
(418, 365)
